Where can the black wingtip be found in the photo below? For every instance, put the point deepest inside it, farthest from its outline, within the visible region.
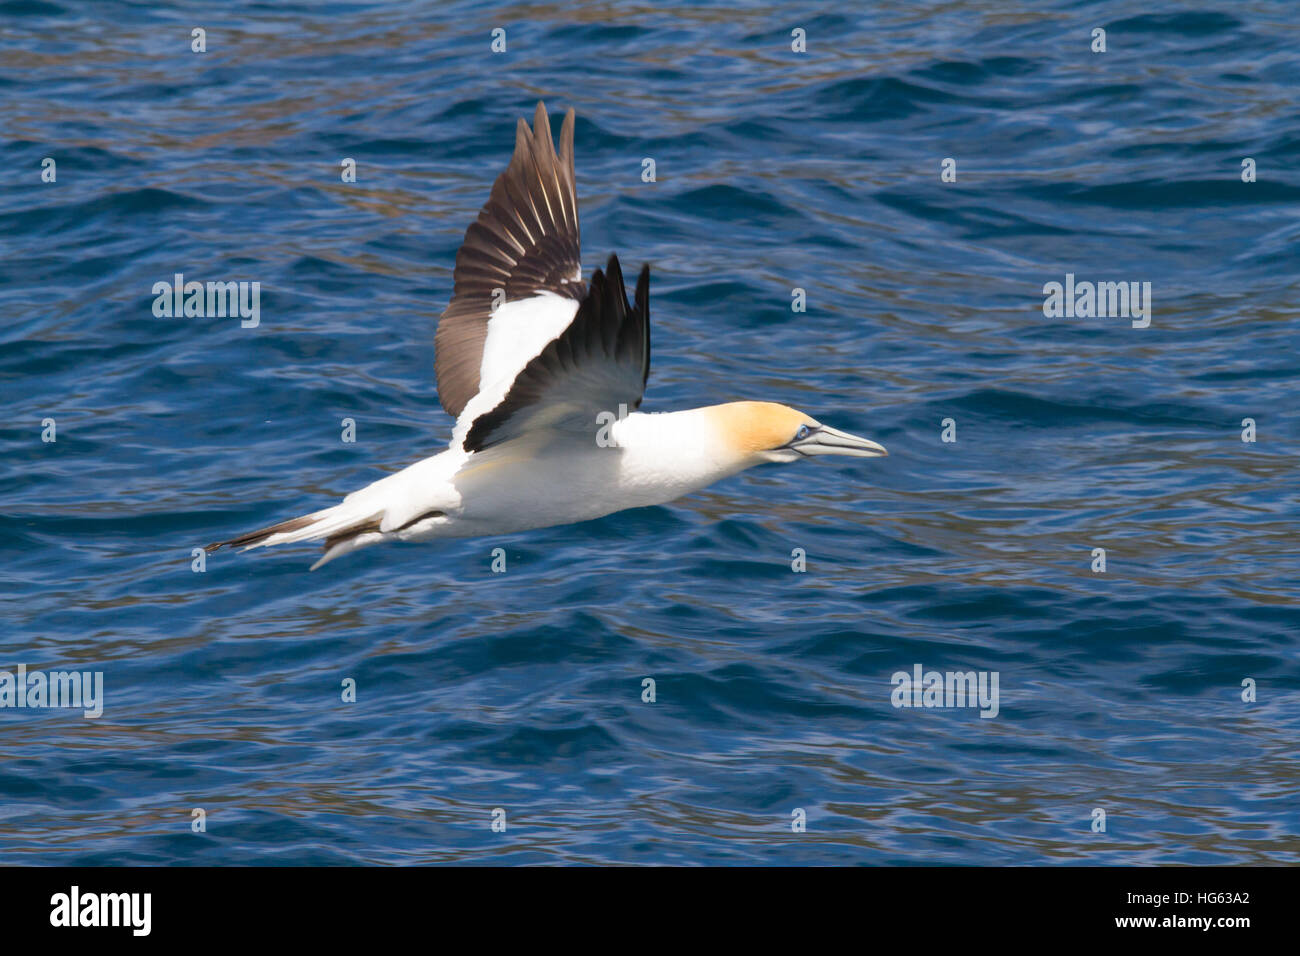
(614, 270)
(642, 298)
(641, 308)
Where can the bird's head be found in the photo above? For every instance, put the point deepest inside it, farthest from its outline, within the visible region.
(767, 431)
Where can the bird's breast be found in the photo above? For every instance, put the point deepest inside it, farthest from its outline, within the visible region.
(566, 479)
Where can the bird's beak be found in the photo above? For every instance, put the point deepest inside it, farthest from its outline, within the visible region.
(831, 441)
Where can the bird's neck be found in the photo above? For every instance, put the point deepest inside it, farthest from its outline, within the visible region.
(683, 450)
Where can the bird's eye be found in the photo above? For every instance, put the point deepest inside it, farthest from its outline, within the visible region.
(803, 432)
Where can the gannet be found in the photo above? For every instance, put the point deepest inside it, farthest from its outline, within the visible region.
(544, 375)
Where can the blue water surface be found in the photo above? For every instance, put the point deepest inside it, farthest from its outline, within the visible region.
(1120, 691)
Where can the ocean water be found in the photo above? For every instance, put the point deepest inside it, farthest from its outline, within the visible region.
(1119, 691)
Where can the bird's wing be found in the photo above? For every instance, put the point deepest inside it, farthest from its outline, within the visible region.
(518, 276)
(599, 362)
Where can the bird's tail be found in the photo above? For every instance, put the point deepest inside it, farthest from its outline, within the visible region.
(345, 527)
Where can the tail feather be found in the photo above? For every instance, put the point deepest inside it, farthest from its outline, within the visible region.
(378, 512)
(253, 538)
(339, 525)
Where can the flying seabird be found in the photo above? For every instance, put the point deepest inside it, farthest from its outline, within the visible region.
(543, 374)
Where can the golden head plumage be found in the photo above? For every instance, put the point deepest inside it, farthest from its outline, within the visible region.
(770, 431)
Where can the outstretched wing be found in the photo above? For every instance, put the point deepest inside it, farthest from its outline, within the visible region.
(599, 362)
(518, 276)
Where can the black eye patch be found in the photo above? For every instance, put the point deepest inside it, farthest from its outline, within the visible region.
(804, 432)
